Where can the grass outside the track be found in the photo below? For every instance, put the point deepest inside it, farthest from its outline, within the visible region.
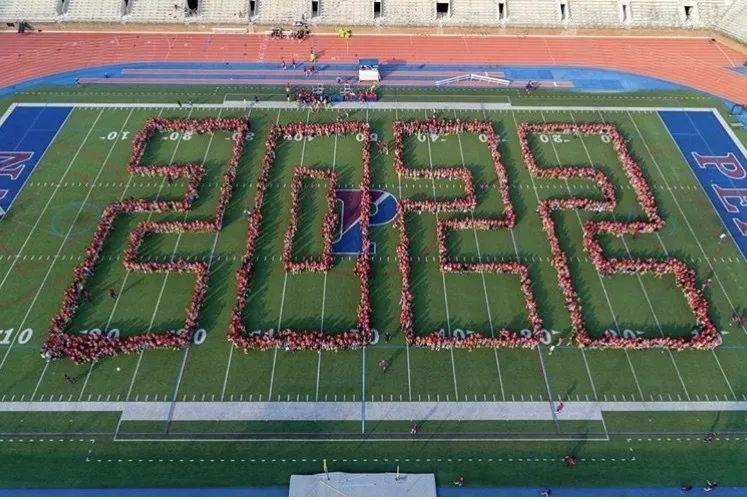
(213, 371)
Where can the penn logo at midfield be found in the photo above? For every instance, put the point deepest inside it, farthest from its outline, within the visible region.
(383, 211)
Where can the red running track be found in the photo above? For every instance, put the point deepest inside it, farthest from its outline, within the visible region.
(695, 62)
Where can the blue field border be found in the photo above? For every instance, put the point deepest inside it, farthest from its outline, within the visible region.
(25, 136)
(718, 161)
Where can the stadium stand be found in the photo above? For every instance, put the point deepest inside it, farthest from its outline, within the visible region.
(728, 15)
(224, 11)
(734, 22)
(31, 10)
(156, 11)
(95, 10)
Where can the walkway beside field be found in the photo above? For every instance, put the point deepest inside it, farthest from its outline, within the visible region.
(699, 63)
(373, 411)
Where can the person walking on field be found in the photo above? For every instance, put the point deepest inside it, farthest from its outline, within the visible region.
(559, 407)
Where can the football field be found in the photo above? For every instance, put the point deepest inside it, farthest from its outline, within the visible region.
(378, 390)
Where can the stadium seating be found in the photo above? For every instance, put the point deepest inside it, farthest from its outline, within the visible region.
(156, 11)
(225, 11)
(32, 10)
(734, 22)
(95, 10)
(728, 15)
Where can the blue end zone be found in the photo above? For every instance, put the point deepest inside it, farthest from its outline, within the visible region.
(719, 162)
(25, 135)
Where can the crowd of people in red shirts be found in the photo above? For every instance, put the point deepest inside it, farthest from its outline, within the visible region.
(325, 261)
(364, 95)
(90, 347)
(290, 339)
(438, 340)
(84, 348)
(706, 336)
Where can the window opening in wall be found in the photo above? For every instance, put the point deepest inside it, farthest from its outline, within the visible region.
(689, 12)
(377, 8)
(62, 6)
(502, 11)
(625, 13)
(314, 8)
(252, 8)
(442, 9)
(192, 6)
(565, 12)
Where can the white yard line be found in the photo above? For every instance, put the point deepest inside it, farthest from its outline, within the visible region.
(588, 372)
(578, 217)
(185, 357)
(127, 273)
(318, 374)
(36, 224)
(39, 381)
(324, 296)
(50, 198)
(484, 285)
(690, 228)
(150, 215)
(285, 283)
(443, 279)
(721, 368)
(682, 212)
(173, 253)
(407, 344)
(638, 275)
(550, 399)
(67, 235)
(225, 378)
(230, 346)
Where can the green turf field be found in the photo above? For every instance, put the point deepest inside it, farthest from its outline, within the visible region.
(43, 237)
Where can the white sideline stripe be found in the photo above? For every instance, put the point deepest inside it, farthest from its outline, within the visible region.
(398, 105)
(378, 411)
